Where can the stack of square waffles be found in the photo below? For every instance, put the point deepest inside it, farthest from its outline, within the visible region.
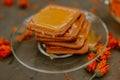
(63, 30)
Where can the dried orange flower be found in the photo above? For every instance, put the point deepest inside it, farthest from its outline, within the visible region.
(5, 48)
(101, 64)
(112, 41)
(105, 55)
(101, 68)
(92, 66)
(8, 3)
(24, 36)
(23, 3)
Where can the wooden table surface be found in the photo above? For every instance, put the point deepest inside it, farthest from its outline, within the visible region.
(15, 16)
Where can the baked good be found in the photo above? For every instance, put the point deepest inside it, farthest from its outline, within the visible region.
(70, 35)
(80, 39)
(62, 29)
(63, 50)
(53, 20)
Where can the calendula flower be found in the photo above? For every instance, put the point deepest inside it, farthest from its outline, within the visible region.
(24, 36)
(23, 3)
(91, 67)
(101, 68)
(91, 56)
(104, 69)
(105, 55)
(99, 48)
(101, 64)
(8, 3)
(5, 48)
(112, 43)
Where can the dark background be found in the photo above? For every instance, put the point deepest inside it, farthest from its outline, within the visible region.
(11, 69)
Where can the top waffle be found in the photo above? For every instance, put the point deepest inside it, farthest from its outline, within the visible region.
(53, 20)
(69, 35)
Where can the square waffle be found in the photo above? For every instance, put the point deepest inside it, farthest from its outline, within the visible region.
(53, 20)
(70, 35)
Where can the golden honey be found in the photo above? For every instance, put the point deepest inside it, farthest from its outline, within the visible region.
(52, 17)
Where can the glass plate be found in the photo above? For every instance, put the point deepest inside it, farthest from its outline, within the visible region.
(28, 52)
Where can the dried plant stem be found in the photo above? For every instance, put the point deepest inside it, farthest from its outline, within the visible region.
(93, 76)
(67, 76)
